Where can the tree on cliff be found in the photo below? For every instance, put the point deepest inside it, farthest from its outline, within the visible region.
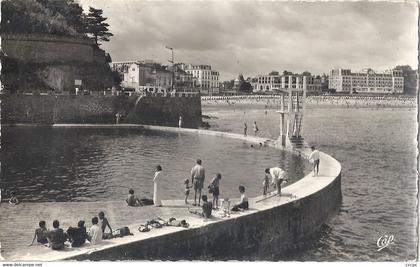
(96, 26)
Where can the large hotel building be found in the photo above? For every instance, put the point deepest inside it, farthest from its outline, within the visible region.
(207, 79)
(368, 81)
(270, 83)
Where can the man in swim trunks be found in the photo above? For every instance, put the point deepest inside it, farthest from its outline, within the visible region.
(197, 179)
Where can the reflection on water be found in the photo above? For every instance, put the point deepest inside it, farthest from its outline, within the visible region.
(377, 150)
(45, 164)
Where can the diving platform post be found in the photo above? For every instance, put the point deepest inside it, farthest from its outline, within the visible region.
(292, 107)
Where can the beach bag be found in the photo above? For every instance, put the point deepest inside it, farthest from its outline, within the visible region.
(124, 231)
(146, 202)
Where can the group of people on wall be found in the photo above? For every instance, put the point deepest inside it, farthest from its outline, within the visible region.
(276, 174)
(78, 236)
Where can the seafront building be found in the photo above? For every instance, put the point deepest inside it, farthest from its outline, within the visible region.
(273, 83)
(207, 78)
(367, 81)
(148, 76)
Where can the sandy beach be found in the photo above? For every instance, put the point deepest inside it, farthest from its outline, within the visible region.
(273, 101)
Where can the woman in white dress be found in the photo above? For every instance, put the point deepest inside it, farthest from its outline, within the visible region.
(156, 192)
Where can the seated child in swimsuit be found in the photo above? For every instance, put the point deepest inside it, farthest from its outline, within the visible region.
(132, 200)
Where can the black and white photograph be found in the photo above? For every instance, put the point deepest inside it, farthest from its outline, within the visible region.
(209, 131)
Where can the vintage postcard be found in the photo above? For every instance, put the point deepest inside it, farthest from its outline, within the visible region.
(275, 131)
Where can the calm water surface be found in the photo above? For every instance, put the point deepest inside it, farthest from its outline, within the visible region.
(46, 164)
(377, 151)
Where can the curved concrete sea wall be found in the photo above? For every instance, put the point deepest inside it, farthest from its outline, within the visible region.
(260, 235)
(271, 226)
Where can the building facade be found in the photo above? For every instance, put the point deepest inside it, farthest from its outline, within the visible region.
(368, 81)
(205, 77)
(273, 83)
(141, 76)
(265, 83)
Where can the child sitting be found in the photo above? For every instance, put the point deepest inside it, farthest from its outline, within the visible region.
(40, 234)
(187, 190)
(207, 207)
(132, 200)
(243, 203)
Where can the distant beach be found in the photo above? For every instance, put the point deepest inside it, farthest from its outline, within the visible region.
(273, 101)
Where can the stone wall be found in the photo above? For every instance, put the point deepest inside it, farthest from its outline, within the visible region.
(52, 109)
(166, 111)
(48, 62)
(31, 48)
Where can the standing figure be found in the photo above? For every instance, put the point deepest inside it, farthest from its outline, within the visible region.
(187, 190)
(117, 117)
(277, 175)
(314, 157)
(197, 179)
(156, 181)
(214, 188)
(245, 128)
(255, 128)
(180, 122)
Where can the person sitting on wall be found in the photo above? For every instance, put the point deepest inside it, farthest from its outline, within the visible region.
(243, 204)
(40, 234)
(132, 200)
(104, 224)
(77, 236)
(95, 232)
(207, 207)
(56, 236)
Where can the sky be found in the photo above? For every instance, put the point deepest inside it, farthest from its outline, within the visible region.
(252, 38)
